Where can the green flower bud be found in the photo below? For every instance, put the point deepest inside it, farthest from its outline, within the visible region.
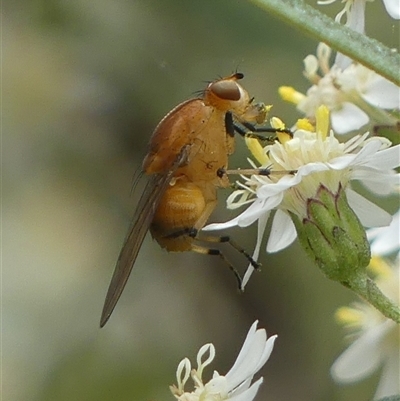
(333, 236)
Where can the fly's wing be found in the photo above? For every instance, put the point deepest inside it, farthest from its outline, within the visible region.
(142, 219)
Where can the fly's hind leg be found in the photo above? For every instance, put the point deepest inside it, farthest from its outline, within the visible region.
(233, 244)
(214, 251)
(182, 213)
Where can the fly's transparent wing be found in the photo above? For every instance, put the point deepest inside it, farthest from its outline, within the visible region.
(141, 221)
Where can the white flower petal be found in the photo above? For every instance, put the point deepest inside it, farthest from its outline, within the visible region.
(240, 389)
(253, 355)
(356, 18)
(385, 240)
(258, 208)
(362, 357)
(245, 347)
(342, 61)
(262, 223)
(217, 385)
(221, 226)
(254, 209)
(382, 93)
(393, 8)
(269, 346)
(248, 360)
(250, 393)
(370, 215)
(389, 383)
(377, 182)
(370, 150)
(348, 118)
(290, 180)
(272, 189)
(386, 158)
(341, 162)
(308, 169)
(283, 232)
(246, 277)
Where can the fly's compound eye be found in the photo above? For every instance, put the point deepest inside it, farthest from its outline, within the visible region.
(238, 75)
(226, 90)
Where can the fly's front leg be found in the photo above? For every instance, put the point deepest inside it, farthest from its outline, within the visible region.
(248, 130)
(254, 171)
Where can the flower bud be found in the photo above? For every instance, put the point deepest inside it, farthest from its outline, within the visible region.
(333, 236)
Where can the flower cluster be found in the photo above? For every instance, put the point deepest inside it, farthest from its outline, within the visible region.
(237, 384)
(376, 339)
(354, 94)
(357, 6)
(313, 160)
(303, 180)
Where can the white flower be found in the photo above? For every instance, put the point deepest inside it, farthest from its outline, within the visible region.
(236, 384)
(385, 240)
(353, 93)
(317, 159)
(392, 6)
(355, 20)
(376, 340)
(347, 89)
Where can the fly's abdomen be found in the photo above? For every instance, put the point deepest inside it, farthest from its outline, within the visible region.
(174, 222)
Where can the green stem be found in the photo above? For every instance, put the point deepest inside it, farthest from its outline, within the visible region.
(361, 48)
(367, 289)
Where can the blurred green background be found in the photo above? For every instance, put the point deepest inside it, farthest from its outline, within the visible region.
(84, 84)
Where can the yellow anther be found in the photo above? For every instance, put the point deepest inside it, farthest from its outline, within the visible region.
(289, 94)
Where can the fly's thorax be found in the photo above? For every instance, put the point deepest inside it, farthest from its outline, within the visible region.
(177, 129)
(208, 152)
(204, 172)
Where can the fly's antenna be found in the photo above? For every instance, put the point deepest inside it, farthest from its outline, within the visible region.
(199, 93)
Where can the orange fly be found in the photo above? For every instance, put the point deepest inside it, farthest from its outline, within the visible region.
(187, 156)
